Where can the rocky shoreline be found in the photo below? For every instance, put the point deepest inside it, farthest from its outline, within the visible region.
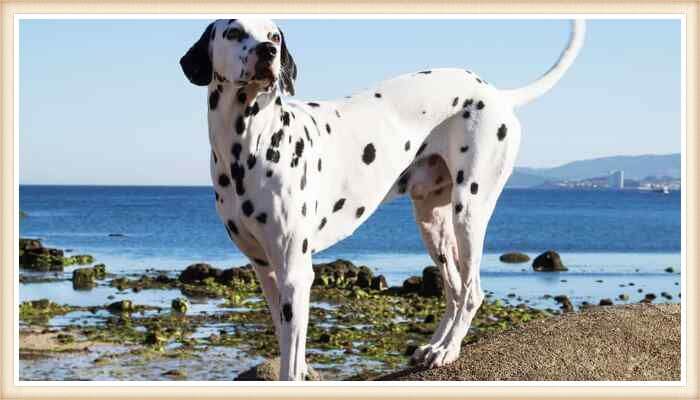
(371, 335)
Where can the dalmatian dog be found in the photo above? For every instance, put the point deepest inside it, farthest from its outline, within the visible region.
(292, 178)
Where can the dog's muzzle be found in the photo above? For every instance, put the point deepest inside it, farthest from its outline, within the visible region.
(266, 53)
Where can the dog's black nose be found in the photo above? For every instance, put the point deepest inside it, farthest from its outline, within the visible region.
(266, 51)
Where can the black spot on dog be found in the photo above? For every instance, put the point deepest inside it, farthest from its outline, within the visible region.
(403, 182)
(260, 262)
(213, 100)
(480, 105)
(460, 177)
(474, 188)
(407, 146)
(224, 180)
(442, 258)
(302, 185)
(216, 159)
(466, 114)
(338, 205)
(303, 209)
(232, 227)
(236, 150)
(238, 173)
(455, 102)
(368, 154)
(328, 129)
(276, 138)
(502, 130)
(478, 80)
(337, 113)
(262, 218)
(378, 95)
(299, 147)
(464, 149)
(467, 103)
(421, 149)
(458, 208)
(252, 110)
(308, 137)
(251, 161)
(272, 155)
(312, 104)
(426, 72)
(319, 165)
(216, 195)
(268, 173)
(285, 118)
(323, 223)
(241, 97)
(247, 208)
(287, 312)
(240, 125)
(433, 160)
(359, 212)
(278, 101)
(305, 246)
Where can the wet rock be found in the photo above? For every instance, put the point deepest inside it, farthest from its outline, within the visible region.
(197, 273)
(155, 338)
(623, 296)
(669, 270)
(565, 303)
(100, 271)
(379, 283)
(339, 273)
(81, 259)
(33, 255)
(549, 261)
(180, 305)
(116, 235)
(245, 274)
(122, 306)
(83, 278)
(666, 296)
(412, 285)
(410, 349)
(324, 338)
(429, 319)
(432, 284)
(599, 281)
(364, 277)
(175, 374)
(514, 258)
(650, 296)
(269, 370)
(605, 302)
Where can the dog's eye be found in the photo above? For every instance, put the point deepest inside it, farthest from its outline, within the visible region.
(235, 34)
(275, 37)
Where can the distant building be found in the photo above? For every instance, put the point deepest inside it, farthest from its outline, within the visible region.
(616, 179)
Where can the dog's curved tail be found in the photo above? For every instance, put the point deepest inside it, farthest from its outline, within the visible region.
(541, 86)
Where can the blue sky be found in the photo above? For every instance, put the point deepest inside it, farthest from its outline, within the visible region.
(105, 101)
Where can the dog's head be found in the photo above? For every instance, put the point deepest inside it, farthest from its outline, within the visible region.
(243, 53)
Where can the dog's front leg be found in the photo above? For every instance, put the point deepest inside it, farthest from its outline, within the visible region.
(295, 275)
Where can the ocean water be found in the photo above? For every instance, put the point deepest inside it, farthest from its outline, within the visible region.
(619, 237)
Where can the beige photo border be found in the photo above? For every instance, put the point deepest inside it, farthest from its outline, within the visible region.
(8, 216)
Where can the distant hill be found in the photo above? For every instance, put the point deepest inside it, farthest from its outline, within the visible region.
(635, 167)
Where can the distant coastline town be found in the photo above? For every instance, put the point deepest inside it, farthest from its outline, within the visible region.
(616, 180)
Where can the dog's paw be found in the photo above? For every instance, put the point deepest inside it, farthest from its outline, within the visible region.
(439, 356)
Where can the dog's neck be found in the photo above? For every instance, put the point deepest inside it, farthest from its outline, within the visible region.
(242, 115)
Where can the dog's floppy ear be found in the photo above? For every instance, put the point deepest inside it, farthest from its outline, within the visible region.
(196, 63)
(289, 69)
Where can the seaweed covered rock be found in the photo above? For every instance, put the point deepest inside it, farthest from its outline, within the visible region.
(33, 255)
(549, 261)
(342, 273)
(514, 258)
(83, 278)
(197, 273)
(100, 271)
(122, 306)
(432, 284)
(180, 305)
(565, 303)
(245, 274)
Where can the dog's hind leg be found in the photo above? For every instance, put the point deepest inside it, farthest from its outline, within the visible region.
(479, 168)
(430, 194)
